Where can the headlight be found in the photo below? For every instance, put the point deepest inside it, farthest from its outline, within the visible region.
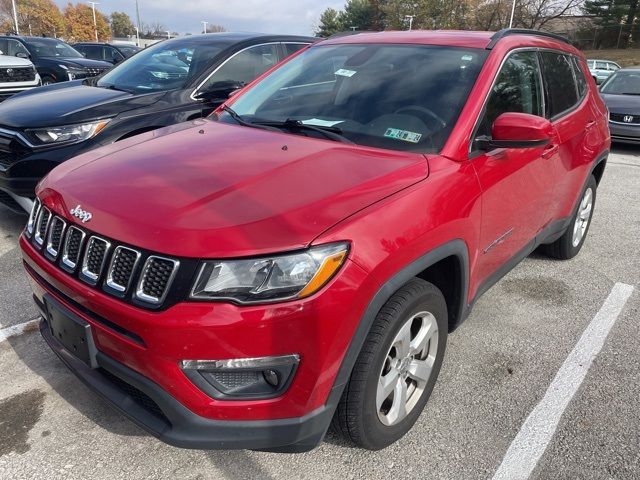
(269, 279)
(67, 133)
(73, 72)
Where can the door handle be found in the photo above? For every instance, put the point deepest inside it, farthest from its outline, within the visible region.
(550, 151)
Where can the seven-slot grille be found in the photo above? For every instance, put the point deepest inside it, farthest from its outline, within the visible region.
(17, 74)
(92, 259)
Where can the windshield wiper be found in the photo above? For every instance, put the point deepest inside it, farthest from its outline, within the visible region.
(332, 133)
(245, 123)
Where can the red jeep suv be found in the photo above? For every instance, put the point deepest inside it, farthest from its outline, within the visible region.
(298, 261)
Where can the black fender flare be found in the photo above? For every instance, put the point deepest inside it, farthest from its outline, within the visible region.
(458, 249)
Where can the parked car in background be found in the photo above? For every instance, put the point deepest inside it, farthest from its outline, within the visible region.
(55, 60)
(173, 81)
(242, 283)
(621, 94)
(602, 69)
(16, 75)
(105, 51)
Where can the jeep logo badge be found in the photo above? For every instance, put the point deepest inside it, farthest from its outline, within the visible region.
(627, 118)
(83, 215)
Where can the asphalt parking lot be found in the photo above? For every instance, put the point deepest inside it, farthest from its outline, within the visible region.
(497, 370)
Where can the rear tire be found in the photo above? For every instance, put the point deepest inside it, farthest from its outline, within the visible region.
(48, 80)
(397, 368)
(570, 243)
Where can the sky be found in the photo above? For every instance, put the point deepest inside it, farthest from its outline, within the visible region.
(185, 16)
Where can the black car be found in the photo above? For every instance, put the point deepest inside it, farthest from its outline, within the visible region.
(173, 81)
(107, 52)
(621, 93)
(55, 60)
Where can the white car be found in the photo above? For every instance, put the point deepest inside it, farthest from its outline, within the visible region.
(16, 75)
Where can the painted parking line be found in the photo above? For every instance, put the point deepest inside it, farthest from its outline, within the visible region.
(19, 329)
(539, 427)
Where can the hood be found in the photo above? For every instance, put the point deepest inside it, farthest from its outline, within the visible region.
(79, 62)
(205, 189)
(68, 103)
(8, 61)
(622, 103)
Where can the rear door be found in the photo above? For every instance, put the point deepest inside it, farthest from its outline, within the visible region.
(574, 119)
(515, 182)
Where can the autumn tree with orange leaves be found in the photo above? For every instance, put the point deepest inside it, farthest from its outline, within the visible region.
(79, 24)
(36, 17)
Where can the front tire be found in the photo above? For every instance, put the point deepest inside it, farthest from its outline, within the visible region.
(397, 368)
(48, 80)
(570, 243)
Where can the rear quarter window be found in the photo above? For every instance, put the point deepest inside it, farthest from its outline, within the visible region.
(580, 79)
(562, 91)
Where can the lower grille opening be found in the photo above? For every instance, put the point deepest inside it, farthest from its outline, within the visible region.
(139, 397)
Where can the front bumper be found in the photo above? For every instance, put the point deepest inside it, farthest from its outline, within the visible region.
(152, 408)
(624, 133)
(148, 346)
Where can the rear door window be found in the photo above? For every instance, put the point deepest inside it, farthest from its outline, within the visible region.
(93, 52)
(601, 65)
(562, 92)
(517, 89)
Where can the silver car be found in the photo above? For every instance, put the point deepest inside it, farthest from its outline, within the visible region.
(602, 69)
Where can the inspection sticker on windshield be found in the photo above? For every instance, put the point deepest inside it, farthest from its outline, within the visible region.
(403, 135)
(346, 73)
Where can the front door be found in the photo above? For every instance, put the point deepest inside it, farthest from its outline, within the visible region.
(516, 183)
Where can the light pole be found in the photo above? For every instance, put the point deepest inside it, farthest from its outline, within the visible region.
(95, 23)
(15, 16)
(137, 36)
(204, 26)
(410, 18)
(138, 21)
(513, 10)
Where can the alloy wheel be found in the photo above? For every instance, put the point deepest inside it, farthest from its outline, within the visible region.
(407, 368)
(583, 217)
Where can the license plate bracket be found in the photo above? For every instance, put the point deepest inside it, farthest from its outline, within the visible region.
(71, 331)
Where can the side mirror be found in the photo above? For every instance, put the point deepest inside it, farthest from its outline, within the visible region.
(517, 130)
(220, 90)
(22, 55)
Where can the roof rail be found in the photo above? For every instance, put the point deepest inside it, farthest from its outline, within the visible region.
(348, 33)
(505, 32)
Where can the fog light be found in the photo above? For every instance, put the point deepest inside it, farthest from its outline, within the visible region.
(241, 378)
(271, 376)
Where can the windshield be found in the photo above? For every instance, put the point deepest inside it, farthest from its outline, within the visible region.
(398, 97)
(165, 66)
(50, 47)
(622, 83)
